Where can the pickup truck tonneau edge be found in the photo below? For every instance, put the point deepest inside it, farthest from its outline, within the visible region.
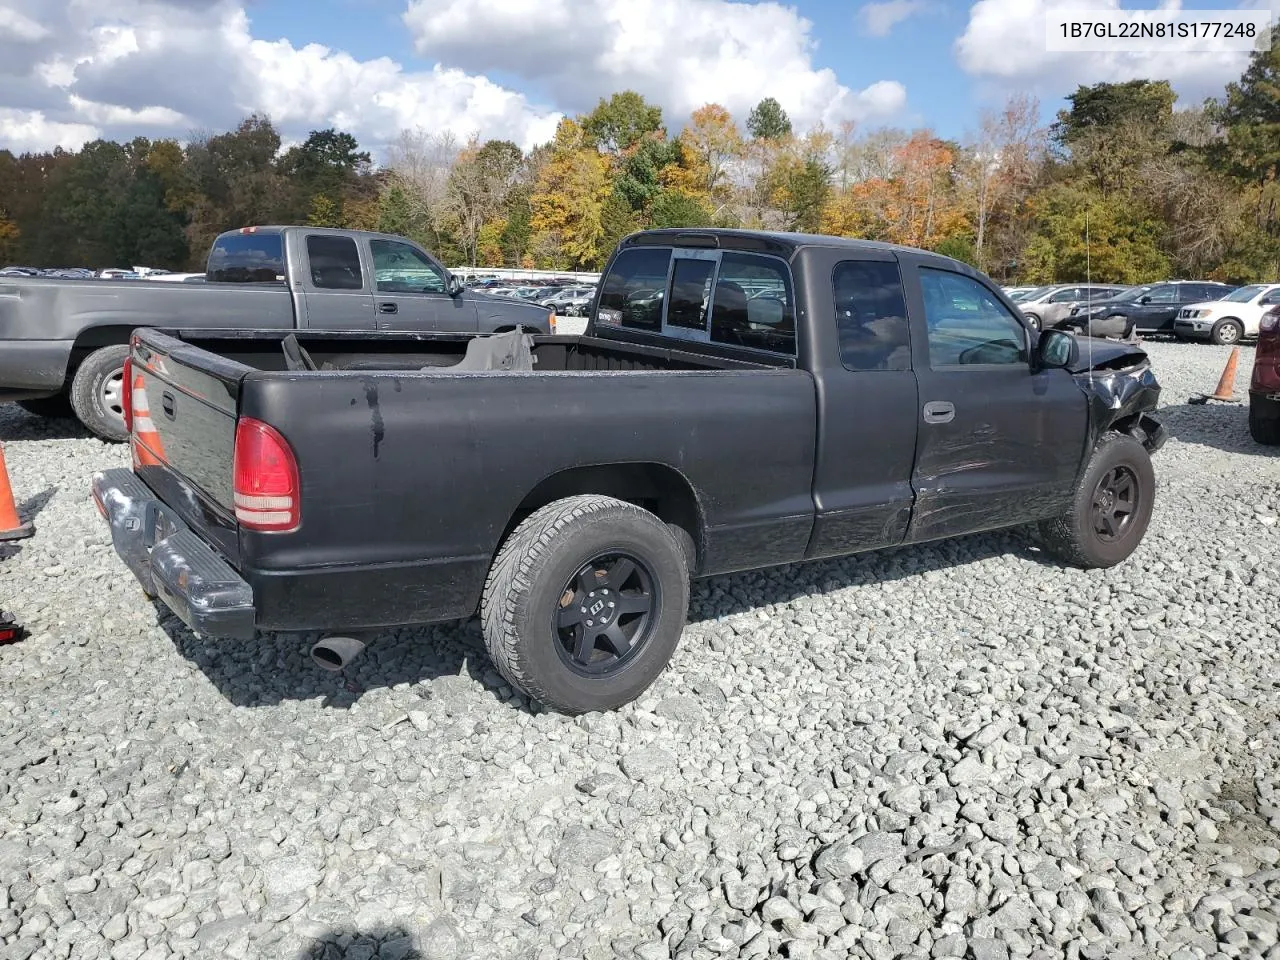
(65, 340)
(740, 400)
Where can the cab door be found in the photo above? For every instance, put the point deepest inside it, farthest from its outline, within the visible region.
(411, 291)
(998, 442)
(867, 401)
(335, 287)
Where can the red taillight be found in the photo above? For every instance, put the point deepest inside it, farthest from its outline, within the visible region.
(266, 478)
(128, 394)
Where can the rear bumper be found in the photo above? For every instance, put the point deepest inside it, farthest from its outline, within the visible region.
(33, 368)
(171, 562)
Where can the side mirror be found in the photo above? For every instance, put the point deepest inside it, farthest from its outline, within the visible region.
(1145, 299)
(452, 286)
(1055, 350)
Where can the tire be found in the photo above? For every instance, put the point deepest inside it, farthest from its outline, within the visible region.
(1263, 428)
(1033, 320)
(1227, 332)
(1075, 537)
(92, 392)
(56, 406)
(545, 569)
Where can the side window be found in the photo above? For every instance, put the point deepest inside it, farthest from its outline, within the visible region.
(1206, 291)
(399, 268)
(1270, 298)
(1163, 295)
(633, 291)
(871, 315)
(753, 305)
(1065, 296)
(967, 325)
(335, 264)
(690, 294)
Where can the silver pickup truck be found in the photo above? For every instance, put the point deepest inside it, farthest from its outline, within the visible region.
(63, 342)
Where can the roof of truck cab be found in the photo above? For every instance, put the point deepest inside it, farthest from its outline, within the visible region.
(781, 241)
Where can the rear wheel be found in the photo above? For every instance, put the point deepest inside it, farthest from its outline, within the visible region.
(97, 392)
(1110, 509)
(1264, 421)
(1226, 332)
(1034, 320)
(585, 603)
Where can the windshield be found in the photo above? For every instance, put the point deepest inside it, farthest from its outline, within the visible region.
(1244, 294)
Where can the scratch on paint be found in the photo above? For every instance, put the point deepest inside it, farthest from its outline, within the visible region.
(371, 397)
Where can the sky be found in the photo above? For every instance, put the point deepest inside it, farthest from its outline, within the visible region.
(74, 70)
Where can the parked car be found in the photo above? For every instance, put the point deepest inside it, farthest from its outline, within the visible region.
(416, 479)
(566, 297)
(65, 341)
(1264, 385)
(1148, 309)
(1048, 306)
(1229, 319)
(19, 272)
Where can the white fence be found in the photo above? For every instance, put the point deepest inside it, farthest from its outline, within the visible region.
(504, 273)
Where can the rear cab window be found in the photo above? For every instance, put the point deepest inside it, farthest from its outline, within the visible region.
(246, 258)
(709, 296)
(871, 315)
(334, 262)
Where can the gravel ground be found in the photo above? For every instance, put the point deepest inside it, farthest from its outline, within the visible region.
(953, 751)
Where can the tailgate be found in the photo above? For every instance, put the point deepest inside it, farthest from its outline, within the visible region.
(184, 403)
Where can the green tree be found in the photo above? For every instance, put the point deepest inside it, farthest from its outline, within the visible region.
(674, 208)
(768, 121)
(1085, 235)
(324, 212)
(619, 123)
(395, 214)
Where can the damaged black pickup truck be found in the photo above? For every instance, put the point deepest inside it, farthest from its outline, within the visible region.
(739, 400)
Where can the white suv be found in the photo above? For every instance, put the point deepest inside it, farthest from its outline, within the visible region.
(1230, 319)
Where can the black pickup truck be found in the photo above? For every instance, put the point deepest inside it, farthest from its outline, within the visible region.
(63, 342)
(739, 400)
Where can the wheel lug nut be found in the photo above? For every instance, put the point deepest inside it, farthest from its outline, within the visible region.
(590, 624)
(583, 609)
(611, 603)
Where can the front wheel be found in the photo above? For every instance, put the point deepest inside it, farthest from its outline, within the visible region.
(1110, 508)
(97, 392)
(1227, 332)
(1033, 320)
(585, 603)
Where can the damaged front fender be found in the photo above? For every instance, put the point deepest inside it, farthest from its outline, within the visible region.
(1122, 390)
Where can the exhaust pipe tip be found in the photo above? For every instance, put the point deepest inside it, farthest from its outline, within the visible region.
(335, 653)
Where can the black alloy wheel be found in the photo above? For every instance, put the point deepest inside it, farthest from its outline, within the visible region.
(604, 616)
(1115, 502)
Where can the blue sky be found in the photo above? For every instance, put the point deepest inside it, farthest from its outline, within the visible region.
(71, 70)
(917, 52)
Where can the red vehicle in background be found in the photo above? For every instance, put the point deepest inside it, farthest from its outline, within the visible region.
(1264, 387)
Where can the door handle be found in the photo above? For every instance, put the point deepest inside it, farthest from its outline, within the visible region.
(939, 411)
(166, 404)
(388, 308)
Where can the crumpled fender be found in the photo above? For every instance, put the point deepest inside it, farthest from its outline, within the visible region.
(1122, 390)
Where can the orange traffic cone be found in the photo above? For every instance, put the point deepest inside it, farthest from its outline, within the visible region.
(1226, 383)
(11, 527)
(147, 448)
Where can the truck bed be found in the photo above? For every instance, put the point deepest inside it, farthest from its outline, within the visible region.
(384, 430)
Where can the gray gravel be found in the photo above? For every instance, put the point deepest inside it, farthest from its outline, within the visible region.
(954, 751)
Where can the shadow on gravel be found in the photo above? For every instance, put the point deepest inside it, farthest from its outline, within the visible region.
(277, 667)
(27, 511)
(737, 593)
(1223, 426)
(17, 424)
(392, 943)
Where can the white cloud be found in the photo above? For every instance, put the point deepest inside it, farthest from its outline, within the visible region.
(73, 70)
(879, 19)
(30, 130)
(1005, 41)
(679, 54)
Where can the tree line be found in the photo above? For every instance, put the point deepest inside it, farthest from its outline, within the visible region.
(1123, 187)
